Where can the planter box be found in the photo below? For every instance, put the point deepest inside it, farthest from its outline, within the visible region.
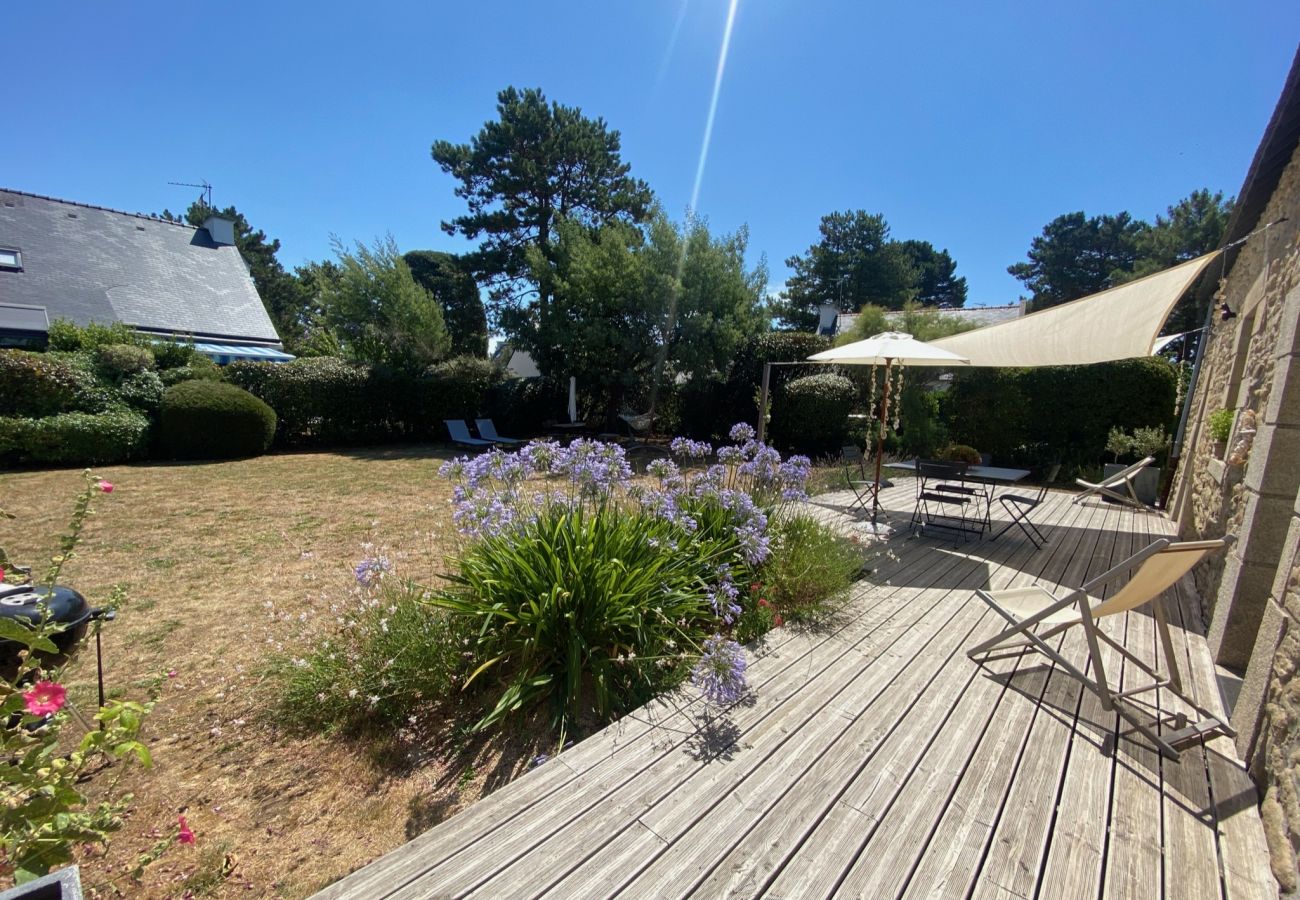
(65, 884)
(1146, 484)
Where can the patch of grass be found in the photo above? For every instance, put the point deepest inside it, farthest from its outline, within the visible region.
(214, 867)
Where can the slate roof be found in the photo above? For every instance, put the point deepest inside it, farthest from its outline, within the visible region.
(87, 263)
(981, 316)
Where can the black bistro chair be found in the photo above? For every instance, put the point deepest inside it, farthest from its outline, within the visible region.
(945, 500)
(1020, 506)
(855, 475)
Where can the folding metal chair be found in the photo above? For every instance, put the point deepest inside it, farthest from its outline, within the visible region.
(1019, 507)
(944, 500)
(855, 475)
(1158, 567)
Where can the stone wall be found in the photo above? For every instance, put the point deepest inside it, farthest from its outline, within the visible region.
(1252, 595)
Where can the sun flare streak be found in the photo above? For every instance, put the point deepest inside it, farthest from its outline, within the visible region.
(713, 104)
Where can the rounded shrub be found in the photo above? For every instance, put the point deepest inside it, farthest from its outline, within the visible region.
(960, 453)
(115, 362)
(174, 355)
(213, 420)
(811, 414)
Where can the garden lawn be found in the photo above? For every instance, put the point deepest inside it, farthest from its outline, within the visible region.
(227, 564)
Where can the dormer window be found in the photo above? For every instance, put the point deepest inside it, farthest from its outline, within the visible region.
(11, 258)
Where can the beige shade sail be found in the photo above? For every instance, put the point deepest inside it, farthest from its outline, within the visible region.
(1121, 323)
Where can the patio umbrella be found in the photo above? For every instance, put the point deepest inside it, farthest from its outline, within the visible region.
(573, 399)
(892, 348)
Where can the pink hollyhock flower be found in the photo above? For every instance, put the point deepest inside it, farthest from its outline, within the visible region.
(45, 698)
(106, 487)
(184, 836)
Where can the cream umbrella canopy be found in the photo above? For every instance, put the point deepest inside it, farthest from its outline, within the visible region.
(892, 348)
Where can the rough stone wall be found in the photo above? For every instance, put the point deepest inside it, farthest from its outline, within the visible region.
(1252, 502)
(1217, 500)
(1278, 752)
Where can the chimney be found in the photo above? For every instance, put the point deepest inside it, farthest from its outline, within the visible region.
(220, 229)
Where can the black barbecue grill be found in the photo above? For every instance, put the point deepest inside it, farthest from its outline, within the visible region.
(28, 605)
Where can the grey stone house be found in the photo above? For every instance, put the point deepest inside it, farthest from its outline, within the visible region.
(60, 259)
(1250, 489)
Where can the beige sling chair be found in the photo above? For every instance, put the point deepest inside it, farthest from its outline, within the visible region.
(1157, 568)
(1110, 486)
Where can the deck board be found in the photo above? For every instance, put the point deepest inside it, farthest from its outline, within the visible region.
(873, 758)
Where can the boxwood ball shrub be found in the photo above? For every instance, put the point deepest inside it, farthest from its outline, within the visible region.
(115, 362)
(213, 420)
(811, 414)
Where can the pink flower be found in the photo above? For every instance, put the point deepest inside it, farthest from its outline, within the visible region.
(45, 698)
(171, 674)
(106, 487)
(778, 621)
(184, 836)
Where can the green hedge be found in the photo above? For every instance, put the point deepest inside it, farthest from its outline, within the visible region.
(811, 414)
(1058, 413)
(75, 438)
(213, 420)
(45, 384)
(324, 401)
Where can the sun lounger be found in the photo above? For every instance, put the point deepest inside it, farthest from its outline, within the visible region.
(488, 431)
(459, 432)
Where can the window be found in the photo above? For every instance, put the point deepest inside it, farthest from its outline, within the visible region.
(10, 258)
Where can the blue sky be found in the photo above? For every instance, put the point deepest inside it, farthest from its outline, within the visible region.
(968, 125)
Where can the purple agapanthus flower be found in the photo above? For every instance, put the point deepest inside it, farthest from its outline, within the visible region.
(720, 671)
(370, 570)
(682, 446)
(741, 432)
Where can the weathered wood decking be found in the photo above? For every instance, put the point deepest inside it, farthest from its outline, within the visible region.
(874, 759)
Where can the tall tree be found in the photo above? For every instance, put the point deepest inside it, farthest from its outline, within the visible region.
(281, 293)
(375, 312)
(631, 303)
(853, 263)
(937, 282)
(1190, 228)
(443, 276)
(1077, 255)
(537, 163)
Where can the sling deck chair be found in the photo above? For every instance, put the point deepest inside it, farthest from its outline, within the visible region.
(459, 432)
(1156, 568)
(1109, 487)
(487, 430)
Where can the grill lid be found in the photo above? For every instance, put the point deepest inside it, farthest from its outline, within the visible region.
(21, 601)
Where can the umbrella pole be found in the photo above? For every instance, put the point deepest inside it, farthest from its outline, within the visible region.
(880, 443)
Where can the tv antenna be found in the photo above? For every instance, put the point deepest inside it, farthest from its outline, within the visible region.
(207, 190)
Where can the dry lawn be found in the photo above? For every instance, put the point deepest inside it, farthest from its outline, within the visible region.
(203, 549)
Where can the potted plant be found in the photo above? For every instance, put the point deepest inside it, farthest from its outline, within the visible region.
(1220, 422)
(1128, 448)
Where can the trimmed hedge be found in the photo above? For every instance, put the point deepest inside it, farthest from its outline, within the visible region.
(1058, 413)
(811, 414)
(75, 438)
(115, 362)
(324, 401)
(213, 420)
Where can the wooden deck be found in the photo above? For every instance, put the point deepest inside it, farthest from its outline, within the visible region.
(872, 758)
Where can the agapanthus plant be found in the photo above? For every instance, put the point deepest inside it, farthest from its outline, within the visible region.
(587, 581)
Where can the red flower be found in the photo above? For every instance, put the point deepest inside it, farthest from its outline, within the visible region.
(45, 698)
(184, 836)
(106, 487)
(778, 621)
(755, 588)
(762, 602)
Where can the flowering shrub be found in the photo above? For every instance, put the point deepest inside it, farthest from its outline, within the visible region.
(388, 657)
(810, 567)
(584, 584)
(43, 812)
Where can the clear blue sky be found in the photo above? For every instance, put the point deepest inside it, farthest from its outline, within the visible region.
(970, 125)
